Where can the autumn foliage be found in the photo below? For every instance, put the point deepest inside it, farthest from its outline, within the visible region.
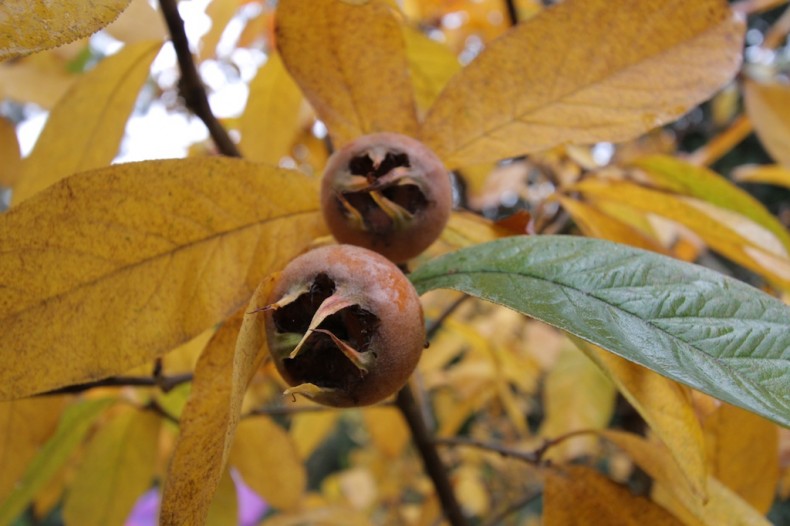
(608, 340)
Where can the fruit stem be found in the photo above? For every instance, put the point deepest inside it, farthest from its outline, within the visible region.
(430, 456)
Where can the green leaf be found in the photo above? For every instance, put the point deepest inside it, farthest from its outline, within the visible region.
(686, 322)
(76, 422)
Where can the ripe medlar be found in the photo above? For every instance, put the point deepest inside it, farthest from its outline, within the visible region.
(344, 326)
(386, 192)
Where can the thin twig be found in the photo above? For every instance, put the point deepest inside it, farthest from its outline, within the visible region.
(191, 86)
(157, 408)
(436, 324)
(498, 517)
(281, 410)
(512, 12)
(165, 383)
(430, 457)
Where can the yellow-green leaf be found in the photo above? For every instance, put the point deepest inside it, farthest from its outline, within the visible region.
(387, 429)
(432, 65)
(350, 60)
(546, 82)
(269, 463)
(768, 106)
(681, 177)
(209, 420)
(666, 407)
(743, 449)
(224, 509)
(580, 496)
(109, 269)
(25, 425)
(733, 235)
(768, 174)
(9, 153)
(577, 396)
(76, 422)
(117, 468)
(27, 26)
(85, 128)
(270, 121)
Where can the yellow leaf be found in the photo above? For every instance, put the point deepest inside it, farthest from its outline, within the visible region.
(270, 121)
(731, 234)
(112, 268)
(580, 496)
(577, 396)
(682, 177)
(666, 407)
(465, 229)
(220, 12)
(768, 107)
(268, 461)
(309, 429)
(768, 174)
(349, 59)
(117, 468)
(224, 509)
(743, 449)
(585, 71)
(9, 153)
(471, 490)
(139, 22)
(84, 130)
(27, 26)
(42, 78)
(432, 65)
(209, 420)
(594, 222)
(73, 427)
(387, 429)
(721, 507)
(25, 425)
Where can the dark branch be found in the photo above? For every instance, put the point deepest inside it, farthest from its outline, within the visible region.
(512, 12)
(165, 383)
(436, 324)
(533, 457)
(190, 86)
(430, 457)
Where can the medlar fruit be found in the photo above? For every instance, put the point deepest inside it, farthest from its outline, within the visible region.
(344, 325)
(386, 192)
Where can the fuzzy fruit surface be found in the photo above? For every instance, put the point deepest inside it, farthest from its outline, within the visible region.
(345, 326)
(386, 192)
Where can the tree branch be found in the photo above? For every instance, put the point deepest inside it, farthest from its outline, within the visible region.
(512, 12)
(430, 456)
(191, 86)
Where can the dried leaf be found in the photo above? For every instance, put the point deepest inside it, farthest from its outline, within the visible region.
(576, 396)
(9, 152)
(721, 507)
(269, 463)
(387, 429)
(744, 454)
(109, 269)
(73, 427)
(350, 60)
(666, 407)
(546, 82)
(768, 107)
(25, 425)
(117, 468)
(85, 128)
(27, 26)
(579, 496)
(309, 429)
(209, 420)
(270, 121)
(432, 65)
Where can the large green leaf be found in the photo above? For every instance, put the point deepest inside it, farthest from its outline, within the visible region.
(686, 322)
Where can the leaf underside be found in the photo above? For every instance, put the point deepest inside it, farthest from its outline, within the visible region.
(689, 323)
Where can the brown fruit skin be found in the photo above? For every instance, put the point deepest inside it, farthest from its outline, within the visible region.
(379, 287)
(402, 244)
